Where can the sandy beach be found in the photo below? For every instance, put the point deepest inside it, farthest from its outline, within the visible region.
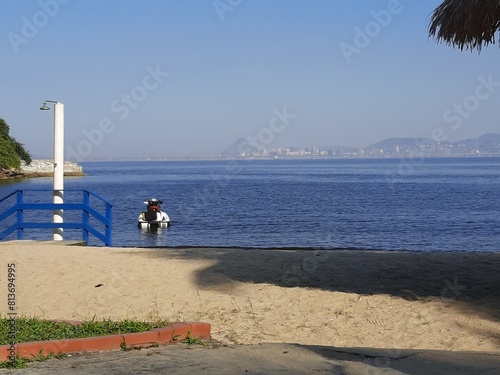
(404, 300)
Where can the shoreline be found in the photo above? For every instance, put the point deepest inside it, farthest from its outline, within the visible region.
(40, 168)
(12, 175)
(310, 249)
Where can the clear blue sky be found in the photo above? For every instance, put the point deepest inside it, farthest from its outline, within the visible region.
(182, 78)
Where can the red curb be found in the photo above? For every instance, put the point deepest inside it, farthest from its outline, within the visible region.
(159, 336)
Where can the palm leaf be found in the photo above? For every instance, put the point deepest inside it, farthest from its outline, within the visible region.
(469, 24)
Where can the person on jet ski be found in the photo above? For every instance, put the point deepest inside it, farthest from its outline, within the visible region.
(154, 205)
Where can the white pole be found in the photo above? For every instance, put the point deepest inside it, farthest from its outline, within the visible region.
(58, 168)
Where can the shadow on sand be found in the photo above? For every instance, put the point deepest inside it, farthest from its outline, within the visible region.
(471, 278)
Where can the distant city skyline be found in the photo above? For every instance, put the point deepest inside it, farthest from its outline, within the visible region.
(175, 78)
(485, 145)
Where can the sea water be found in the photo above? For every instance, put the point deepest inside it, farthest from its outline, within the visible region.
(376, 204)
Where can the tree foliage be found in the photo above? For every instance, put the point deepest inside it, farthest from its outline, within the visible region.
(11, 151)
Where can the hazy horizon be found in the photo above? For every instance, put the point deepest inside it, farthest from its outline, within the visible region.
(174, 78)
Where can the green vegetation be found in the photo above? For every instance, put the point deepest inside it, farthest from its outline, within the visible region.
(32, 329)
(190, 340)
(11, 151)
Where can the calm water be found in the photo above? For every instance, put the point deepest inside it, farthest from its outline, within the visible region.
(422, 205)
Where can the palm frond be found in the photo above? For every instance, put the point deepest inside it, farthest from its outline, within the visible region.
(469, 24)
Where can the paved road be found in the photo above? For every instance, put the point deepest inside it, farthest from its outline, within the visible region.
(289, 359)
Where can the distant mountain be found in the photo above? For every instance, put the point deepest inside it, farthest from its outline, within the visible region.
(490, 137)
(486, 144)
(391, 144)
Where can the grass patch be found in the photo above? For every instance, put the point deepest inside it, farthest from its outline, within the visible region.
(33, 329)
(190, 340)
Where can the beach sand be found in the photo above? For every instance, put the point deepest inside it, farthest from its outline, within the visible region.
(342, 298)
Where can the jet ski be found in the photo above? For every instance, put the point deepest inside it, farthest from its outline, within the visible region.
(153, 218)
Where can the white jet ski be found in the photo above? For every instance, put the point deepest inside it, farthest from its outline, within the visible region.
(153, 218)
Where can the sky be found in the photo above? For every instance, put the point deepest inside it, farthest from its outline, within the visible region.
(177, 78)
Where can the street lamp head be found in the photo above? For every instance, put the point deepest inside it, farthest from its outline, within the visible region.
(44, 107)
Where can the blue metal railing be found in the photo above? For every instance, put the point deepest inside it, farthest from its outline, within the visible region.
(85, 224)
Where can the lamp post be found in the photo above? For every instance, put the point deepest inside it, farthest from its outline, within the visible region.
(58, 194)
